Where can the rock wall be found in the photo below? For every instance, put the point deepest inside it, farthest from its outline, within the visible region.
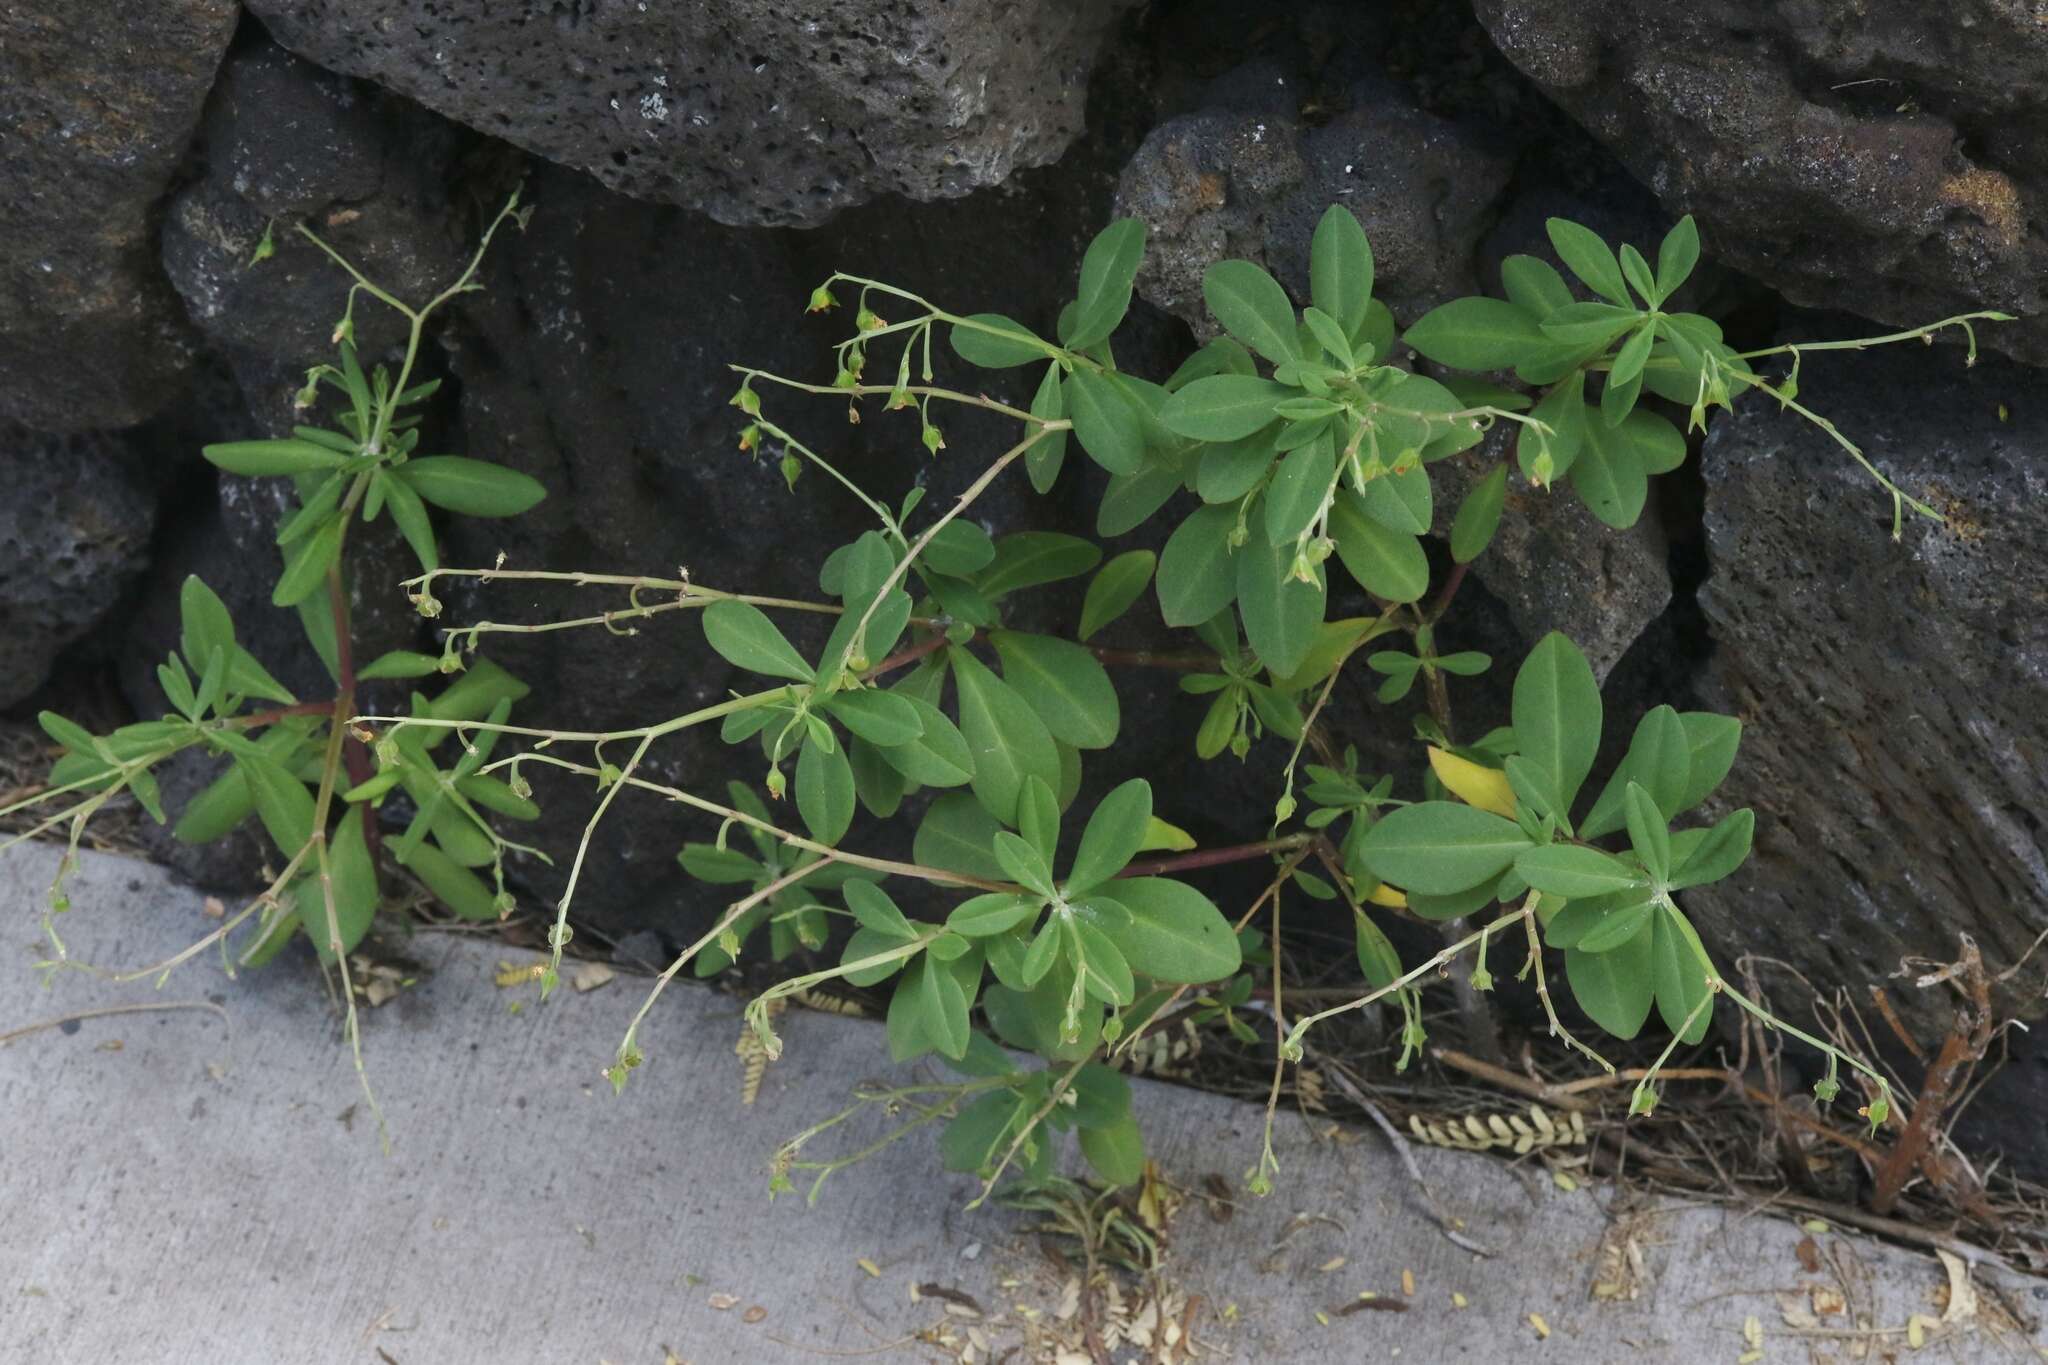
(694, 170)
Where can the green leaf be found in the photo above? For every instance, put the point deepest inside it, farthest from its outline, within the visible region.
(1557, 715)
(1677, 256)
(1340, 268)
(1296, 493)
(1175, 933)
(1224, 407)
(994, 913)
(745, 637)
(354, 878)
(1609, 476)
(1377, 960)
(1023, 863)
(410, 515)
(1064, 683)
(958, 549)
(1130, 500)
(1723, 850)
(1107, 271)
(1038, 818)
(1220, 356)
(305, 568)
(1588, 257)
(1680, 967)
(1196, 576)
(1115, 834)
(1029, 558)
(1619, 926)
(718, 866)
(1660, 758)
(1636, 271)
(1712, 741)
(1648, 833)
(1533, 284)
(1478, 517)
(258, 459)
(1401, 502)
(1008, 740)
(1609, 920)
(1563, 410)
(1564, 870)
(1043, 460)
(475, 488)
(1476, 333)
(399, 663)
(1116, 1152)
(1440, 848)
(454, 885)
(1281, 613)
(928, 1012)
(1105, 974)
(973, 1137)
(873, 910)
(1101, 1097)
(824, 792)
(1116, 586)
(1251, 306)
(959, 835)
(1106, 421)
(220, 806)
(282, 801)
(882, 718)
(205, 621)
(1614, 988)
(994, 342)
(1591, 325)
(316, 619)
(938, 757)
(1386, 563)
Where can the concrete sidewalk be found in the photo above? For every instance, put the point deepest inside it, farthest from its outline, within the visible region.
(205, 1185)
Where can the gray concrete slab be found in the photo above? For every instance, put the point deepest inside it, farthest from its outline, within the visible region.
(192, 1185)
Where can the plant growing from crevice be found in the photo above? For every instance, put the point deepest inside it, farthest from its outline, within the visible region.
(1304, 437)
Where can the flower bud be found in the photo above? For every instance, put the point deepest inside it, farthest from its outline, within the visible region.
(821, 300)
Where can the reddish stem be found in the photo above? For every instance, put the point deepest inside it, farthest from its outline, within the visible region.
(355, 754)
(257, 719)
(1450, 591)
(1212, 857)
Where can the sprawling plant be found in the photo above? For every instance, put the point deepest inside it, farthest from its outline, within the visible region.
(1301, 436)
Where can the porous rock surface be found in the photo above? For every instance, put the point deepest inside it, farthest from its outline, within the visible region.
(1245, 176)
(75, 520)
(97, 103)
(1890, 158)
(1894, 695)
(751, 111)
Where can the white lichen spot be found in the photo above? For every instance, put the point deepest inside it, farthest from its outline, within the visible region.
(653, 106)
(1259, 133)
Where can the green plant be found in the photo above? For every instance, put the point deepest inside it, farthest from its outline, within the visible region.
(288, 760)
(1303, 436)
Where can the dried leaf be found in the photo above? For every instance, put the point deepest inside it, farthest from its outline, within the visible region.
(590, 976)
(1962, 1295)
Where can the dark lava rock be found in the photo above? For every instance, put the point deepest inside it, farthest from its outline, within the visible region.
(1248, 176)
(284, 142)
(753, 111)
(76, 515)
(1895, 696)
(1886, 158)
(97, 103)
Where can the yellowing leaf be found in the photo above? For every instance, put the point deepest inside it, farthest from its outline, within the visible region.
(1389, 896)
(1161, 835)
(1486, 788)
